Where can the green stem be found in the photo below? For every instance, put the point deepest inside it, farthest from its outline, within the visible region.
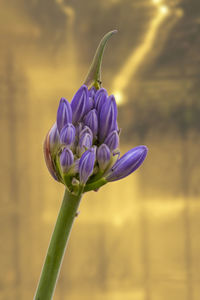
(57, 246)
(95, 185)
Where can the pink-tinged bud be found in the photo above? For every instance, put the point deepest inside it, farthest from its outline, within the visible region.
(103, 157)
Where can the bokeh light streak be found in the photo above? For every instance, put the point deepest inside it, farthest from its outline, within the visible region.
(136, 58)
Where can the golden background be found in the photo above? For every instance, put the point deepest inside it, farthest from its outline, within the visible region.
(136, 239)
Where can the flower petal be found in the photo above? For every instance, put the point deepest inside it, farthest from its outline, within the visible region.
(127, 164)
(86, 164)
(67, 134)
(79, 104)
(108, 118)
(66, 159)
(64, 114)
(103, 157)
(112, 140)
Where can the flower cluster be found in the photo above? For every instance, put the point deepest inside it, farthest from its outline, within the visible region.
(81, 149)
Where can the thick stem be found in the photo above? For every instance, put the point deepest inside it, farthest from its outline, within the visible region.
(57, 246)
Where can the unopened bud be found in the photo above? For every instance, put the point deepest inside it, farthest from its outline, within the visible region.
(79, 104)
(108, 118)
(85, 143)
(67, 134)
(91, 121)
(64, 114)
(103, 157)
(127, 164)
(112, 140)
(66, 159)
(86, 165)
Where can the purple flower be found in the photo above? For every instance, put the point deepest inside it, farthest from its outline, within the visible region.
(94, 117)
(127, 164)
(91, 121)
(66, 159)
(82, 149)
(67, 134)
(108, 118)
(86, 165)
(103, 157)
(64, 114)
(112, 140)
(79, 104)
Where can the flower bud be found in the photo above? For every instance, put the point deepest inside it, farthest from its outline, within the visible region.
(91, 121)
(66, 159)
(112, 140)
(103, 157)
(100, 99)
(108, 118)
(79, 104)
(54, 138)
(127, 164)
(85, 142)
(48, 158)
(86, 164)
(85, 129)
(67, 134)
(64, 114)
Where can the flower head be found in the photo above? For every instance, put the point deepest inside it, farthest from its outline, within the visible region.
(83, 143)
(82, 148)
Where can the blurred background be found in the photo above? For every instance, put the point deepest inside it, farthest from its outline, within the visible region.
(137, 239)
